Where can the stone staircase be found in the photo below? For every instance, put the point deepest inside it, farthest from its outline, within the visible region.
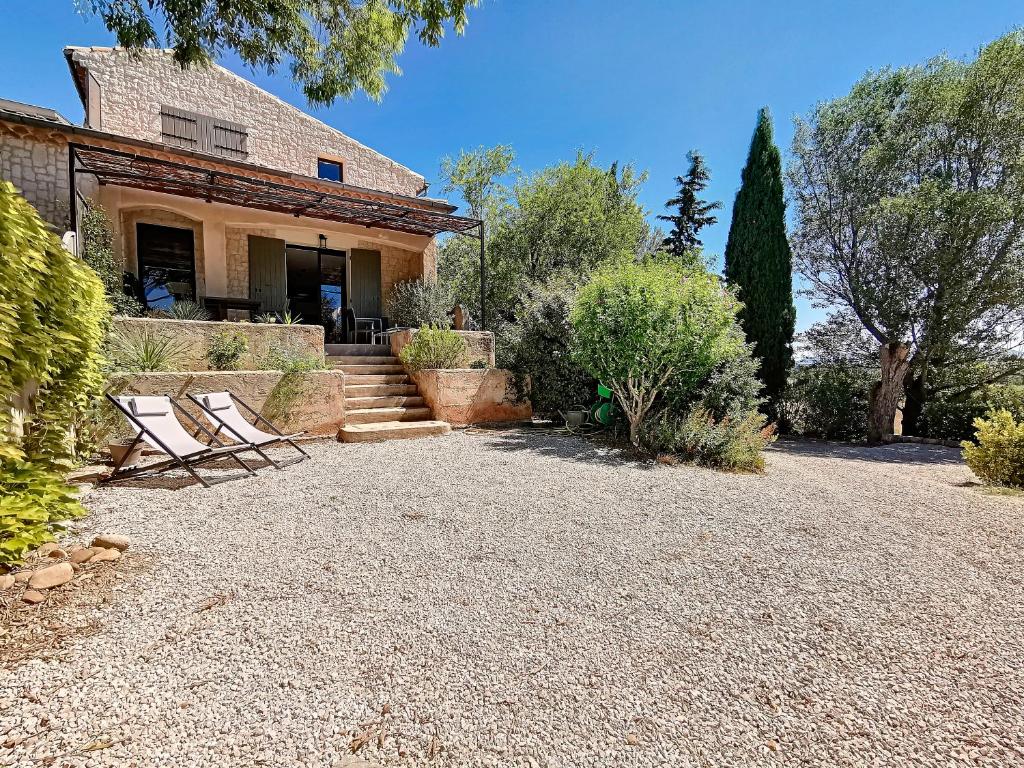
(381, 401)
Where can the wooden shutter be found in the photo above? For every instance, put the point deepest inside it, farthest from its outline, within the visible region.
(179, 128)
(203, 133)
(366, 298)
(268, 273)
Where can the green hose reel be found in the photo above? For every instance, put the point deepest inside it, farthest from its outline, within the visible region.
(603, 411)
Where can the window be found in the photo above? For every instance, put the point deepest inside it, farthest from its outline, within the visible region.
(203, 133)
(330, 170)
(167, 265)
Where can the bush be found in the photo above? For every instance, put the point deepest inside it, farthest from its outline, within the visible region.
(997, 456)
(98, 252)
(827, 401)
(734, 442)
(53, 316)
(226, 349)
(953, 418)
(536, 346)
(415, 303)
(432, 347)
(645, 329)
(293, 360)
(138, 351)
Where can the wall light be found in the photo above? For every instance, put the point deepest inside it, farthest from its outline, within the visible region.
(323, 241)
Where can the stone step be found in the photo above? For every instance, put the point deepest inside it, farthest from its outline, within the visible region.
(363, 360)
(384, 401)
(358, 379)
(391, 430)
(377, 390)
(376, 415)
(366, 370)
(378, 350)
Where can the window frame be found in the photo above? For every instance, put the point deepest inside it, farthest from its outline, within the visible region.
(340, 164)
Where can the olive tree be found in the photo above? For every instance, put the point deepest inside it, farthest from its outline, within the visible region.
(643, 328)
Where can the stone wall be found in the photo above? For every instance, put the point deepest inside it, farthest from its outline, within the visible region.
(194, 337)
(280, 136)
(236, 255)
(467, 396)
(37, 164)
(479, 346)
(311, 402)
(130, 217)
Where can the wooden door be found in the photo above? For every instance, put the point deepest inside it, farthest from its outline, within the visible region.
(268, 274)
(366, 298)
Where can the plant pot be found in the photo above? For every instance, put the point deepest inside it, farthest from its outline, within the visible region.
(118, 451)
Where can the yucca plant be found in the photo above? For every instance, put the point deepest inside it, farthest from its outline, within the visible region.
(143, 350)
(189, 310)
(265, 317)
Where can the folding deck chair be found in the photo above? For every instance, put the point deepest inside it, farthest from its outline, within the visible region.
(155, 423)
(220, 409)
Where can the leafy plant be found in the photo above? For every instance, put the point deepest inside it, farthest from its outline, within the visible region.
(828, 401)
(997, 455)
(734, 442)
(432, 347)
(293, 360)
(226, 350)
(98, 252)
(189, 310)
(287, 318)
(265, 317)
(140, 350)
(53, 317)
(414, 303)
(953, 417)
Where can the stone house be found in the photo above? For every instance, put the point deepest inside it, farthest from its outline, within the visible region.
(219, 192)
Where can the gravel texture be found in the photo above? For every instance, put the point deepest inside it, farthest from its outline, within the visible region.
(529, 600)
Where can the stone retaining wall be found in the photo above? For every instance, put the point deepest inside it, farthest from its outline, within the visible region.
(479, 345)
(464, 396)
(195, 337)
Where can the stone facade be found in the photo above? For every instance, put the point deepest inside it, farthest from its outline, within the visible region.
(195, 336)
(236, 255)
(280, 136)
(479, 346)
(472, 396)
(37, 164)
(131, 217)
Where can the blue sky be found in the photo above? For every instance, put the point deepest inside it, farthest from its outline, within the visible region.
(638, 82)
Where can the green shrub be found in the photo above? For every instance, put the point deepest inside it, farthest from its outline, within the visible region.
(98, 252)
(226, 350)
(293, 360)
(828, 401)
(415, 303)
(645, 329)
(734, 442)
(140, 350)
(53, 317)
(952, 418)
(189, 310)
(997, 456)
(432, 347)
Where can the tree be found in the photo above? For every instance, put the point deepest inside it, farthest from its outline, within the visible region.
(759, 265)
(475, 175)
(641, 328)
(909, 199)
(334, 48)
(692, 213)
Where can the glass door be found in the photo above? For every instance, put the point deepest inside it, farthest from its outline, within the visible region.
(316, 288)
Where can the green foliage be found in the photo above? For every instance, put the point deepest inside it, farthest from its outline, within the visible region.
(731, 387)
(98, 252)
(953, 418)
(433, 347)
(474, 175)
(53, 316)
(828, 401)
(759, 265)
(226, 350)
(536, 345)
(334, 49)
(644, 328)
(189, 310)
(292, 360)
(692, 214)
(142, 349)
(997, 455)
(733, 442)
(413, 303)
(265, 317)
(287, 318)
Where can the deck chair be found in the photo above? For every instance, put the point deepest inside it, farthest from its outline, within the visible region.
(220, 409)
(155, 423)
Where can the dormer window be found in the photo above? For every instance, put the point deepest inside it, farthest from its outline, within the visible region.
(331, 170)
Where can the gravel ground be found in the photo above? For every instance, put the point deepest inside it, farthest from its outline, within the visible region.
(522, 599)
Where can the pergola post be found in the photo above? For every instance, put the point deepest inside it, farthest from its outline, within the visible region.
(483, 279)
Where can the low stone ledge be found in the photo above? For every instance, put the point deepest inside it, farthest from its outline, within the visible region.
(479, 345)
(312, 402)
(465, 396)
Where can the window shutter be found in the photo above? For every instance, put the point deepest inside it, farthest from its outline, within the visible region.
(179, 128)
(203, 133)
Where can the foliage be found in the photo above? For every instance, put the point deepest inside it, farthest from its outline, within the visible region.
(536, 346)
(474, 175)
(226, 350)
(413, 303)
(997, 455)
(827, 401)
(733, 442)
(287, 318)
(292, 360)
(142, 349)
(731, 387)
(334, 49)
(953, 417)
(98, 252)
(643, 328)
(758, 263)
(433, 347)
(189, 310)
(265, 317)
(909, 197)
(692, 213)
(53, 316)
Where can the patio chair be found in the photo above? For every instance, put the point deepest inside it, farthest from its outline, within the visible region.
(220, 409)
(155, 423)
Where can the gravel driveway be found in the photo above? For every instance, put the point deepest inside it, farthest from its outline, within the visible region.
(526, 599)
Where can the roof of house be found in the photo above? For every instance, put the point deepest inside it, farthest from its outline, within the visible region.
(30, 110)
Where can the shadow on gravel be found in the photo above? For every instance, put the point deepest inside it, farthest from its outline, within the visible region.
(897, 453)
(562, 445)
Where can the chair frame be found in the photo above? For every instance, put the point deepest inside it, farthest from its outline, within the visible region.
(257, 418)
(188, 462)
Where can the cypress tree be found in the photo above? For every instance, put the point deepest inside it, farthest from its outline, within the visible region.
(759, 265)
(692, 213)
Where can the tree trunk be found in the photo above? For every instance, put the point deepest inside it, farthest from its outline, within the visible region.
(914, 389)
(885, 394)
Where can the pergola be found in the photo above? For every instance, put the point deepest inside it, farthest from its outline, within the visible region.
(218, 184)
